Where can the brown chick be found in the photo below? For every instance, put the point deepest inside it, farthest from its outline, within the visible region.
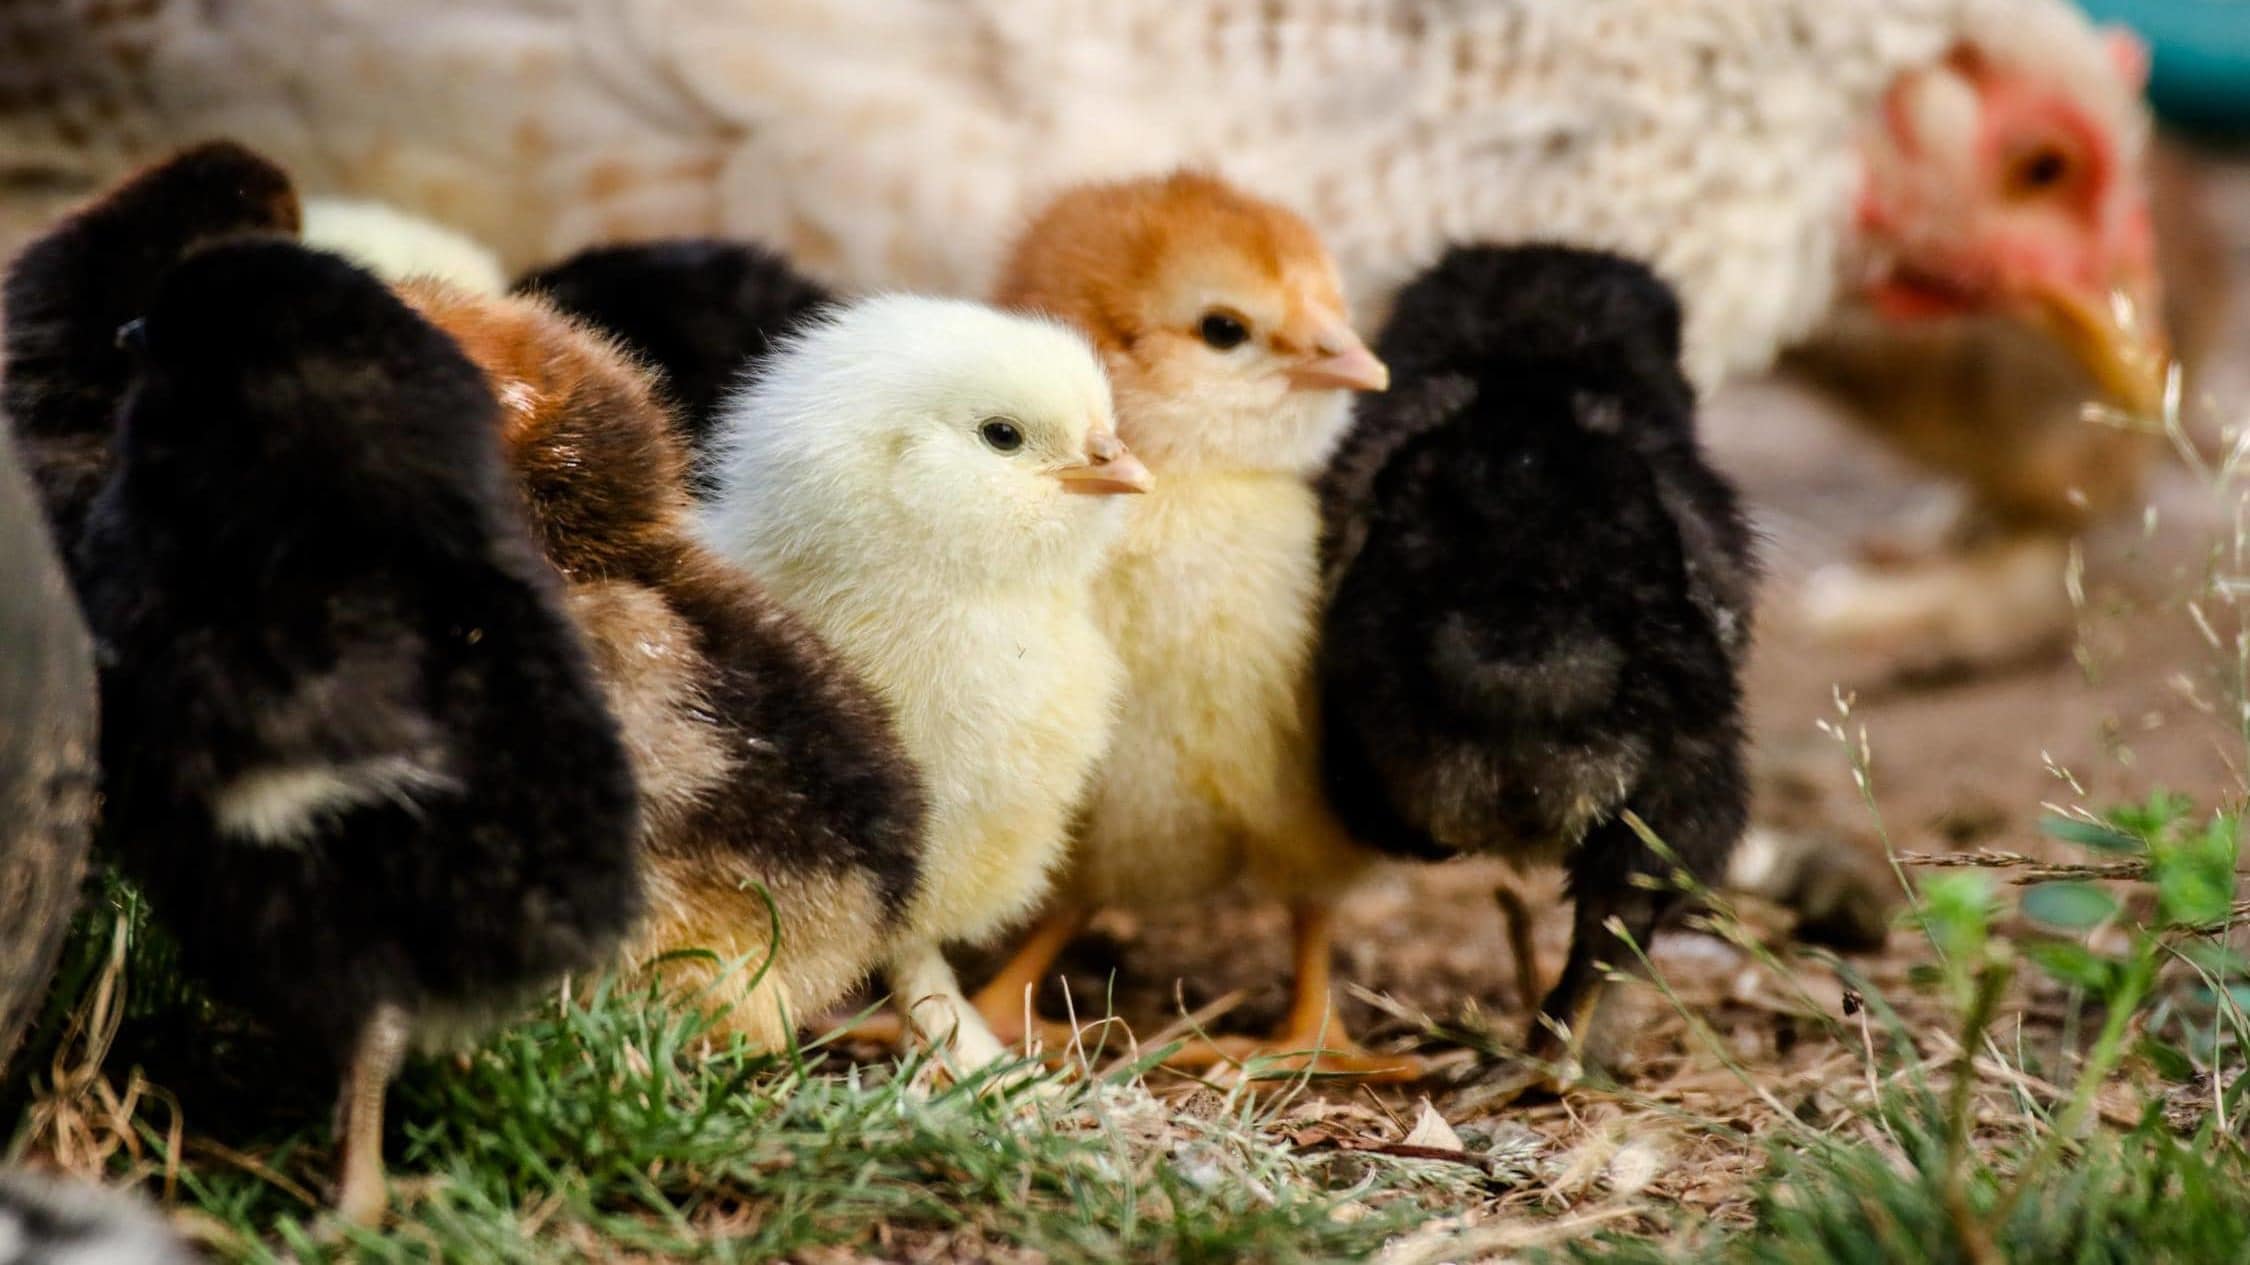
(1225, 332)
(766, 768)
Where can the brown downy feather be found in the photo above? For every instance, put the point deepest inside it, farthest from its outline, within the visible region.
(766, 769)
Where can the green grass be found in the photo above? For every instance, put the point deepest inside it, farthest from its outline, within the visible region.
(2143, 1194)
(608, 1124)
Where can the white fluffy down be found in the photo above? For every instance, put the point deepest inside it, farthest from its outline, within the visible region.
(285, 806)
(395, 245)
(854, 482)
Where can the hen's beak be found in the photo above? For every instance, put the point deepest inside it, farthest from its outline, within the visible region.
(2118, 336)
(1340, 361)
(1110, 467)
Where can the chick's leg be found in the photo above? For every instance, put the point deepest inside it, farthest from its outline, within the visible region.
(928, 994)
(1006, 1000)
(1576, 1023)
(1521, 943)
(360, 1195)
(1313, 1023)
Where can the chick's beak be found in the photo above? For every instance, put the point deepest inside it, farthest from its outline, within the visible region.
(1110, 468)
(1340, 361)
(2117, 335)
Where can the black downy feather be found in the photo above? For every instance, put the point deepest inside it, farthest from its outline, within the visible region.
(352, 747)
(699, 311)
(1539, 590)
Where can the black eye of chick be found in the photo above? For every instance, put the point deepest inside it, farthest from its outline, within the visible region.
(1002, 436)
(1223, 331)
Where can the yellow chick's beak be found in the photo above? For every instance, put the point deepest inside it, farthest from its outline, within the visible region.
(2117, 336)
(1340, 361)
(1110, 468)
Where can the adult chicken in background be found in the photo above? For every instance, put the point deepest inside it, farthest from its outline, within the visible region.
(1771, 158)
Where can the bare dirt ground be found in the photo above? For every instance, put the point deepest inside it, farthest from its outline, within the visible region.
(1959, 763)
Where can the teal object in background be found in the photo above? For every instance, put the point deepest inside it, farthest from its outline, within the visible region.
(2201, 75)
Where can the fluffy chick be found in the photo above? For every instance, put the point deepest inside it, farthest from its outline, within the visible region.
(774, 791)
(69, 290)
(395, 245)
(1224, 329)
(1541, 597)
(931, 484)
(699, 311)
(66, 295)
(325, 632)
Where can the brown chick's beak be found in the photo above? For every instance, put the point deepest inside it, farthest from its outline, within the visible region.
(1109, 468)
(2117, 337)
(1341, 362)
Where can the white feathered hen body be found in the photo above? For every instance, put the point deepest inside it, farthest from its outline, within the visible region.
(899, 142)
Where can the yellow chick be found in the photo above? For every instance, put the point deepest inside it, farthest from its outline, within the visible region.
(1225, 332)
(932, 485)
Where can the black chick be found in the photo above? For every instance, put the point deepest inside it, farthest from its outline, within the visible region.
(69, 291)
(46, 751)
(66, 295)
(1540, 597)
(58, 1221)
(353, 749)
(697, 310)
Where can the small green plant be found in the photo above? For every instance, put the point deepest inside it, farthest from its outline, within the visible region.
(1928, 1176)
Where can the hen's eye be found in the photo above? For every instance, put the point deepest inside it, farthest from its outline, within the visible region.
(2040, 170)
(1001, 436)
(1223, 330)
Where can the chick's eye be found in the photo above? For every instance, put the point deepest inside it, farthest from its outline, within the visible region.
(1223, 330)
(1001, 435)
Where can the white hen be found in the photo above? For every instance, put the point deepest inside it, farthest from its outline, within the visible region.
(898, 142)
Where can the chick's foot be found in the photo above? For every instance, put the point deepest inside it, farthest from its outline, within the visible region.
(1281, 1056)
(1006, 1000)
(1313, 1037)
